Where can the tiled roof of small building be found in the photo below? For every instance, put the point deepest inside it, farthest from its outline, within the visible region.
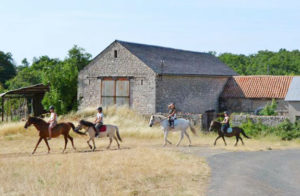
(257, 87)
(169, 61)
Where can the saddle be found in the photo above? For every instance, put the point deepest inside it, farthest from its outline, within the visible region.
(229, 130)
(102, 128)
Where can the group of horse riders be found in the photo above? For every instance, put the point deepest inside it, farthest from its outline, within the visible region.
(99, 119)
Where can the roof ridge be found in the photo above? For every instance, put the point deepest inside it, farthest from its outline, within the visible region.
(162, 47)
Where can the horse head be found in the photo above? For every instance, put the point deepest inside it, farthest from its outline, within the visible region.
(151, 122)
(29, 122)
(213, 125)
(155, 119)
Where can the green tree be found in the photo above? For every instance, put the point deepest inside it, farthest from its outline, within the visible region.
(62, 79)
(7, 68)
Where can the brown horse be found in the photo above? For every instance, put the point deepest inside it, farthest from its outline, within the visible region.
(236, 131)
(59, 129)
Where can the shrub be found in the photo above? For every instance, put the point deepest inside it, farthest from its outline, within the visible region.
(269, 109)
(285, 130)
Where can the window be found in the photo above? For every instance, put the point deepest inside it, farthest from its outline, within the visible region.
(115, 53)
(115, 91)
(142, 82)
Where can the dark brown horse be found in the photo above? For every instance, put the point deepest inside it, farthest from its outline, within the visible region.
(236, 131)
(59, 129)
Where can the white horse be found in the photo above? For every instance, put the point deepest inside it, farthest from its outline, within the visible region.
(111, 132)
(180, 125)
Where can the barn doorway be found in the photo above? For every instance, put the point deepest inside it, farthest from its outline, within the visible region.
(115, 91)
(210, 115)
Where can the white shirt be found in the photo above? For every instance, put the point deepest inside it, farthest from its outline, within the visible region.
(53, 116)
(100, 115)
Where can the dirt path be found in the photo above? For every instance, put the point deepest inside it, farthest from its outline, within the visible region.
(274, 173)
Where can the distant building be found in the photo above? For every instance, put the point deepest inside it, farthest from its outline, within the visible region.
(251, 93)
(293, 99)
(147, 78)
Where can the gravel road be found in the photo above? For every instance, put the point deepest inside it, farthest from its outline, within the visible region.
(262, 173)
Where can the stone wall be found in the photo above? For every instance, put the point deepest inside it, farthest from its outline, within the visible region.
(294, 110)
(250, 105)
(237, 120)
(142, 85)
(190, 94)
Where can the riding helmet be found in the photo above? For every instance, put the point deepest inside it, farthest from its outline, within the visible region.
(99, 109)
(51, 107)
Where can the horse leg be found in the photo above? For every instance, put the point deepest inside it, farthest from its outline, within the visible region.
(169, 142)
(88, 142)
(39, 141)
(237, 140)
(216, 140)
(165, 137)
(180, 139)
(66, 142)
(241, 140)
(94, 144)
(188, 136)
(46, 141)
(110, 141)
(117, 141)
(224, 140)
(71, 139)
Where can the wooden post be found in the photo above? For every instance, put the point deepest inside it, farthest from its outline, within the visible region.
(2, 107)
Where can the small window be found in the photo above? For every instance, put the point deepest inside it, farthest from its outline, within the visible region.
(142, 82)
(116, 53)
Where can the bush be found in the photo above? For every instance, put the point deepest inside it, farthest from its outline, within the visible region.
(269, 109)
(285, 130)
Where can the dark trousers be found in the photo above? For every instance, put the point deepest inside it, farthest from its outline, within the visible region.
(171, 122)
(224, 128)
(98, 126)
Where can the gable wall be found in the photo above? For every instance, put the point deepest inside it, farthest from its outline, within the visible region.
(142, 97)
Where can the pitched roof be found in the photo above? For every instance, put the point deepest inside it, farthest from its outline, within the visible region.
(257, 87)
(294, 90)
(29, 90)
(178, 62)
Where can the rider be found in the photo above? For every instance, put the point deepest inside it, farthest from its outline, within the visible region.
(225, 123)
(99, 121)
(52, 121)
(172, 114)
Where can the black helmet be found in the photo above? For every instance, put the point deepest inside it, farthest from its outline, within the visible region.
(226, 112)
(99, 109)
(51, 107)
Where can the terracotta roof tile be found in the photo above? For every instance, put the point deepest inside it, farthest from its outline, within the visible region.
(257, 87)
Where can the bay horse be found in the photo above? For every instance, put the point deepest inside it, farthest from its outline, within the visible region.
(59, 129)
(236, 131)
(180, 124)
(111, 131)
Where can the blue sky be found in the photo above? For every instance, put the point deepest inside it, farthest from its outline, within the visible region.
(32, 28)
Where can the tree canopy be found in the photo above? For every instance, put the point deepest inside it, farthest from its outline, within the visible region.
(60, 75)
(264, 62)
(7, 68)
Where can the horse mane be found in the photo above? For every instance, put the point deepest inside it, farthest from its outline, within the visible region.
(37, 120)
(86, 123)
(160, 116)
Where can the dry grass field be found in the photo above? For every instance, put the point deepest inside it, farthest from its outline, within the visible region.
(141, 167)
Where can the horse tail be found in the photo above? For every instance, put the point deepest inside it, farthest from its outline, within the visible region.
(244, 134)
(118, 134)
(75, 130)
(192, 128)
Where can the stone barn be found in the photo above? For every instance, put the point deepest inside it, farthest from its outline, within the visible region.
(147, 78)
(293, 99)
(251, 93)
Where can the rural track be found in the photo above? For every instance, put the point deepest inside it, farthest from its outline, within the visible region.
(261, 173)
